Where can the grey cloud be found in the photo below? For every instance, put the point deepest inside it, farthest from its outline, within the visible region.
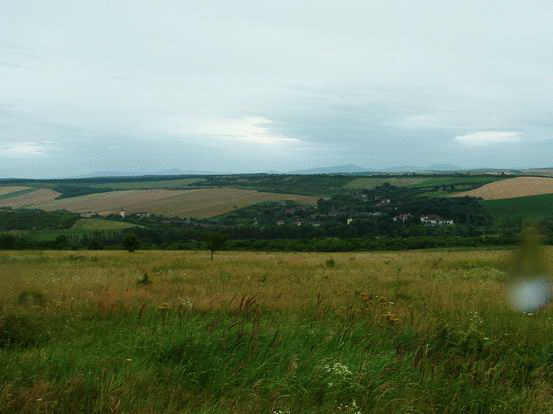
(369, 82)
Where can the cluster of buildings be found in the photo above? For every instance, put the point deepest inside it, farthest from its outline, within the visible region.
(429, 219)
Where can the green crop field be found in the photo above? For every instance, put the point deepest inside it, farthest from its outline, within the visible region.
(532, 207)
(99, 224)
(180, 183)
(80, 228)
(174, 332)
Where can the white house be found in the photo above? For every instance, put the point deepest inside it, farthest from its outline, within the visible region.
(435, 220)
(403, 217)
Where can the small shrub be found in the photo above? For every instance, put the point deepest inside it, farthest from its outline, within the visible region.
(330, 263)
(78, 259)
(131, 242)
(95, 245)
(31, 297)
(144, 280)
(18, 331)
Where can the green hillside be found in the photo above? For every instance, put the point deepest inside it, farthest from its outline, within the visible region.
(524, 207)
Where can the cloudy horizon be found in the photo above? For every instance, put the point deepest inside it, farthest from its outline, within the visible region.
(248, 86)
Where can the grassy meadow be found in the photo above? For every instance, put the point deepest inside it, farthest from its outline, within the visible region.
(151, 332)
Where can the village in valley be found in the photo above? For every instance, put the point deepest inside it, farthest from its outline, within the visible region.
(343, 209)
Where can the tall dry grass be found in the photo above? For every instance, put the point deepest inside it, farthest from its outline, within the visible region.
(405, 332)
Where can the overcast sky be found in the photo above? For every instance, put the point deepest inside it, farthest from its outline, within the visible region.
(238, 85)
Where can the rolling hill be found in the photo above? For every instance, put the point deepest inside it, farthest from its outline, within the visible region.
(199, 203)
(512, 188)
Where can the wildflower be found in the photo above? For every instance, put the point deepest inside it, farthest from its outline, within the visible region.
(365, 297)
(186, 303)
(475, 321)
(391, 317)
(338, 369)
(129, 360)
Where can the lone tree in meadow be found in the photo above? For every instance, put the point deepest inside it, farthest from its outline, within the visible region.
(131, 242)
(214, 242)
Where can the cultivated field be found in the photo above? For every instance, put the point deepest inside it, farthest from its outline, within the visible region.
(10, 190)
(548, 172)
(183, 203)
(28, 199)
(511, 188)
(149, 184)
(532, 207)
(99, 225)
(174, 332)
(81, 228)
(421, 182)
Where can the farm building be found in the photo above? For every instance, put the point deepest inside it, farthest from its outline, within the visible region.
(435, 220)
(403, 217)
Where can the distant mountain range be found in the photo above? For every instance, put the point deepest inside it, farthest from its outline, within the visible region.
(175, 171)
(352, 169)
(337, 169)
(348, 168)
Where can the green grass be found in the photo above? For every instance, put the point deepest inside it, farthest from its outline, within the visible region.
(372, 182)
(81, 228)
(532, 207)
(417, 332)
(99, 224)
(181, 183)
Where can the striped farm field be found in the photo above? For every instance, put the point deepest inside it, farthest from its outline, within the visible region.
(512, 188)
(29, 199)
(200, 203)
(12, 189)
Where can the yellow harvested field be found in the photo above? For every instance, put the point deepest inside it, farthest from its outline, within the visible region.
(512, 188)
(109, 202)
(199, 203)
(12, 189)
(33, 198)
